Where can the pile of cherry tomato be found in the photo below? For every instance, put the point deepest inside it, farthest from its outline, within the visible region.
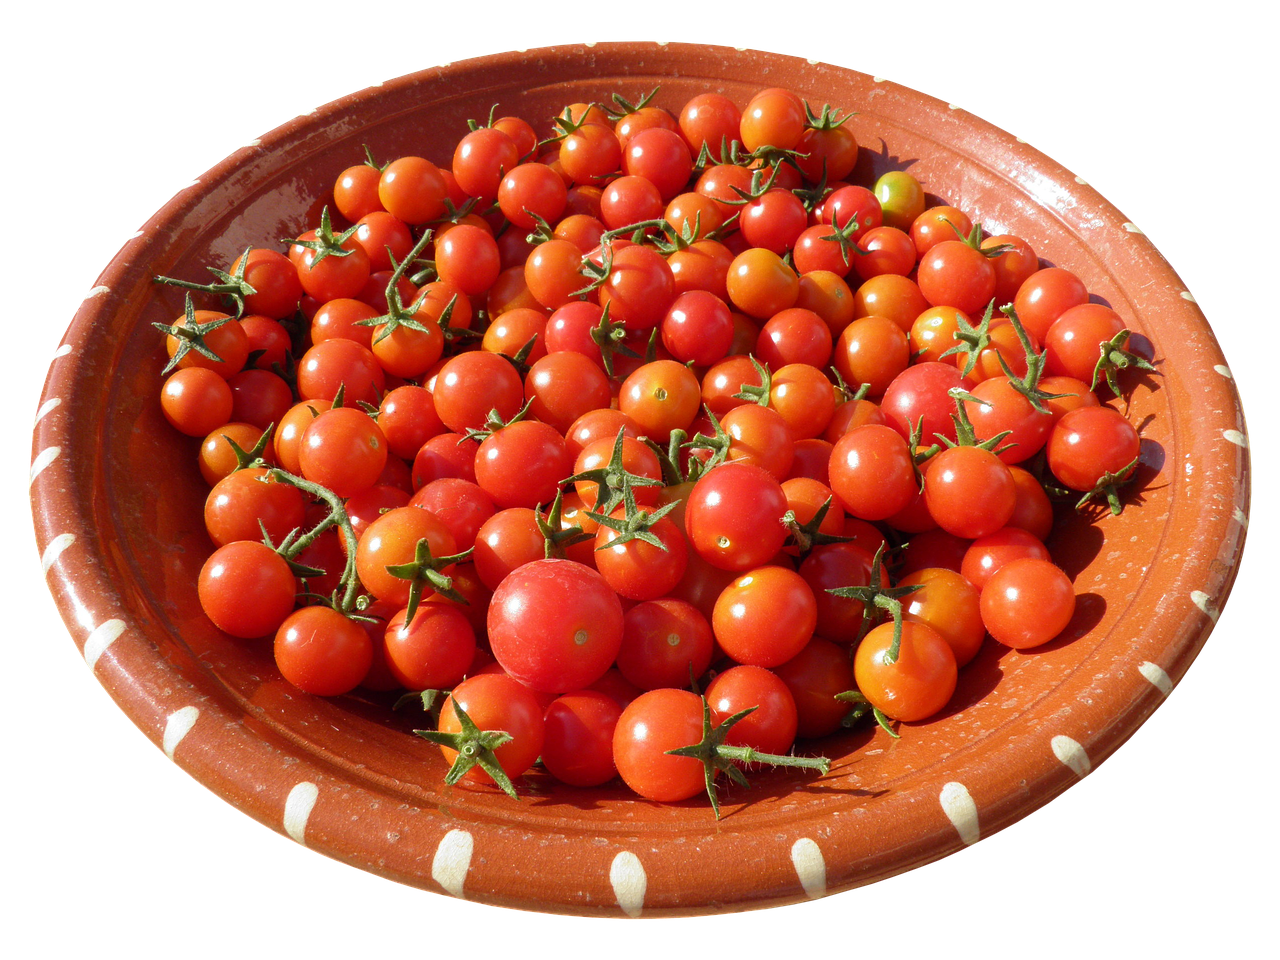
(655, 434)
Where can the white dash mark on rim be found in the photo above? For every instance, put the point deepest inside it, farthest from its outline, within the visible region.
(62, 351)
(1223, 369)
(178, 726)
(1188, 296)
(1203, 602)
(1156, 676)
(452, 861)
(42, 460)
(1236, 437)
(103, 636)
(810, 866)
(1071, 754)
(1132, 228)
(54, 549)
(48, 407)
(953, 106)
(1241, 517)
(297, 809)
(1082, 181)
(100, 291)
(877, 79)
(627, 876)
(960, 809)
(253, 143)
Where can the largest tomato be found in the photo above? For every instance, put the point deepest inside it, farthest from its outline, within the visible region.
(555, 625)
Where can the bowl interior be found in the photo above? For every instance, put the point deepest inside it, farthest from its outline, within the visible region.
(347, 777)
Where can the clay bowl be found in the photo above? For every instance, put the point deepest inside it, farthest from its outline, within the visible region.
(116, 503)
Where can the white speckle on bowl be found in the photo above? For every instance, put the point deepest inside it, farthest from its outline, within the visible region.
(99, 291)
(1236, 437)
(810, 866)
(1071, 754)
(1187, 295)
(1132, 228)
(1158, 678)
(42, 460)
(297, 809)
(62, 351)
(452, 861)
(102, 636)
(629, 881)
(1223, 369)
(960, 809)
(178, 726)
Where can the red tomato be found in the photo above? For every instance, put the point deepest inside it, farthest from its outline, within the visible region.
(771, 725)
(969, 491)
(244, 504)
(246, 589)
(1027, 603)
(1089, 443)
(555, 625)
(434, 650)
(323, 652)
(765, 617)
(872, 472)
(196, 401)
(664, 643)
(343, 449)
(496, 702)
(637, 569)
(577, 746)
(948, 602)
(391, 541)
(917, 683)
(652, 724)
(522, 464)
(734, 516)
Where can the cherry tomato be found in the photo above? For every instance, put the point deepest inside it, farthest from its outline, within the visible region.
(496, 702)
(577, 747)
(872, 472)
(323, 652)
(969, 491)
(522, 464)
(664, 643)
(555, 625)
(392, 541)
(916, 684)
(244, 504)
(771, 725)
(948, 602)
(413, 190)
(343, 449)
(1027, 603)
(246, 589)
(765, 617)
(734, 516)
(196, 401)
(652, 724)
(433, 651)
(1089, 443)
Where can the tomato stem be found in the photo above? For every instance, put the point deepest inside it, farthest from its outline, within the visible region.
(717, 756)
(475, 747)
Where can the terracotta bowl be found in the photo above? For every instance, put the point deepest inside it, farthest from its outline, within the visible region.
(117, 511)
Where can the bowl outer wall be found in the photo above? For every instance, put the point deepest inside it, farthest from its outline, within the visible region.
(121, 532)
